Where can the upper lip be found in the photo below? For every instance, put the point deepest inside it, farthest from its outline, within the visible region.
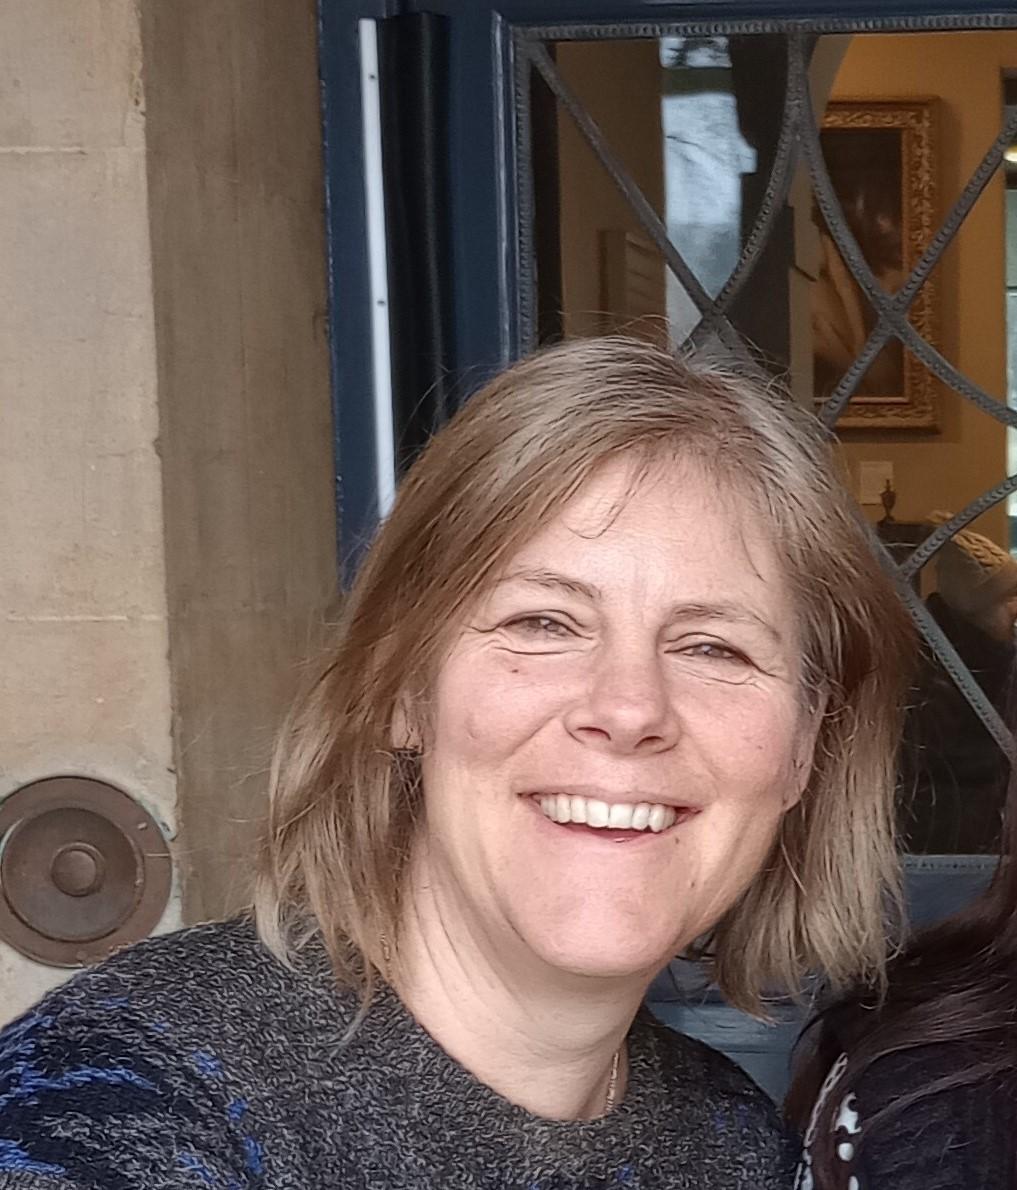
(619, 797)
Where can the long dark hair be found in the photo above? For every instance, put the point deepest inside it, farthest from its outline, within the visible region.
(953, 983)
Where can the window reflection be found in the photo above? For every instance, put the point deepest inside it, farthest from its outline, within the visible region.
(695, 122)
(705, 155)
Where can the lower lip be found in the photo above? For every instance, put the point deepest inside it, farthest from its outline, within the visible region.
(608, 835)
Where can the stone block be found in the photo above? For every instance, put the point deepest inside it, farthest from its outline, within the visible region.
(70, 75)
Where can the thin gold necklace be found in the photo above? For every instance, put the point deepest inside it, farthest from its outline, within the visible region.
(612, 1083)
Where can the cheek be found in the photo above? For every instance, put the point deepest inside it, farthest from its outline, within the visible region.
(753, 740)
(492, 703)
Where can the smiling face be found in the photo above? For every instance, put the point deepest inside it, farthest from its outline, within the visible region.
(618, 727)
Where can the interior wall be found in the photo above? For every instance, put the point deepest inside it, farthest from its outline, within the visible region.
(238, 254)
(963, 71)
(85, 681)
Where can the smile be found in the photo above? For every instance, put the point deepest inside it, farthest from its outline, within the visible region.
(600, 815)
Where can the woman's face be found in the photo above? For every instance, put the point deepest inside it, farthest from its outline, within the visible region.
(636, 665)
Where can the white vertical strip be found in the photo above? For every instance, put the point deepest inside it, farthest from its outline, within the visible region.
(377, 255)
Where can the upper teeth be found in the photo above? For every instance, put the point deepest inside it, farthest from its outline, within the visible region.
(625, 816)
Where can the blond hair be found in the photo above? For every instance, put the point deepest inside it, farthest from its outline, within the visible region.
(345, 802)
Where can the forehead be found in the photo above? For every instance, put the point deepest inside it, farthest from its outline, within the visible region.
(666, 524)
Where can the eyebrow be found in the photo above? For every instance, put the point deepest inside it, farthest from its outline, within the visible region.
(731, 612)
(719, 610)
(551, 581)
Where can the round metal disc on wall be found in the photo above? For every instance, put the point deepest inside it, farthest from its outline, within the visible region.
(83, 869)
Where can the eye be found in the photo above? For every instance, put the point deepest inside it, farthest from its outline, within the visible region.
(540, 627)
(712, 650)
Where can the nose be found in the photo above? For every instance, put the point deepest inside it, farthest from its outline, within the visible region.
(626, 706)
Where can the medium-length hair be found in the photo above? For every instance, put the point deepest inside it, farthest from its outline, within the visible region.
(345, 802)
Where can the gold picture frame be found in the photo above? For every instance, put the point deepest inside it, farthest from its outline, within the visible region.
(881, 155)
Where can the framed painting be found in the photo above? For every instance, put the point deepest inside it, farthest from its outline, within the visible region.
(881, 156)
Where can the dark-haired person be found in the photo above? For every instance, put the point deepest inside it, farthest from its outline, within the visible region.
(619, 673)
(917, 1088)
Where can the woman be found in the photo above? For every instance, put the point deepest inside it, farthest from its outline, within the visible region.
(919, 1088)
(619, 675)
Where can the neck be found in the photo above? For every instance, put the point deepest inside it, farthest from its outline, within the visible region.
(542, 1038)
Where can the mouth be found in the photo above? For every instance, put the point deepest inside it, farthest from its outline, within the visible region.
(594, 814)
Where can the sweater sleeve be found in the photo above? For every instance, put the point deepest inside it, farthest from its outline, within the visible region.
(93, 1095)
(31, 1181)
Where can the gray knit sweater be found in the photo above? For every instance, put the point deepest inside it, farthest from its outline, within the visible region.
(197, 1060)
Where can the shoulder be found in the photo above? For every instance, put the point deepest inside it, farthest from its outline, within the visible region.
(154, 1055)
(216, 977)
(215, 974)
(684, 1061)
(201, 961)
(733, 1121)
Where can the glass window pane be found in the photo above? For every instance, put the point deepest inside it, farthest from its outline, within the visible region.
(691, 125)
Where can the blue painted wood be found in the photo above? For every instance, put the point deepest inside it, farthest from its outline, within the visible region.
(483, 267)
(481, 149)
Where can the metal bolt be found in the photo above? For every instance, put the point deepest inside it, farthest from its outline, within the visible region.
(77, 869)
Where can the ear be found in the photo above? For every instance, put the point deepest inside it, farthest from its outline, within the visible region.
(804, 752)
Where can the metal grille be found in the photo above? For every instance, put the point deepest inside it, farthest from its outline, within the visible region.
(798, 146)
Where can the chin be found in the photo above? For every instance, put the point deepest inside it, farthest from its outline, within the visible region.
(606, 956)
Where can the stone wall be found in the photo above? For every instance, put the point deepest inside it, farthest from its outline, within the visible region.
(235, 176)
(84, 678)
(166, 476)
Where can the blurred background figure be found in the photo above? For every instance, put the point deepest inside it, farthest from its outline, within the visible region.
(953, 776)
